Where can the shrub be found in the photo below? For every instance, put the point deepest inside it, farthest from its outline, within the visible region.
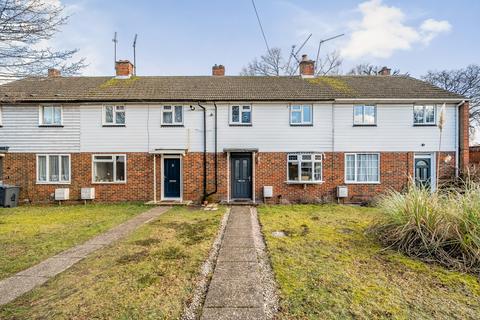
(442, 227)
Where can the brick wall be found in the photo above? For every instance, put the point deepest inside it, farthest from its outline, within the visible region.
(270, 169)
(464, 117)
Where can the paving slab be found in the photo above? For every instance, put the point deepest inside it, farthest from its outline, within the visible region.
(240, 232)
(24, 281)
(237, 254)
(237, 293)
(226, 270)
(233, 314)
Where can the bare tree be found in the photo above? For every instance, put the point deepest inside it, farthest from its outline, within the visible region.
(25, 25)
(369, 69)
(464, 81)
(273, 63)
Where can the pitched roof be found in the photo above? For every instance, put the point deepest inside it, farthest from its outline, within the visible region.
(228, 88)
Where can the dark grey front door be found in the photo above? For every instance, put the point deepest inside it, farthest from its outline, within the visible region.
(171, 178)
(241, 176)
(423, 172)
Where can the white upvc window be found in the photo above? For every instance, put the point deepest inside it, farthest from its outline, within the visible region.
(362, 168)
(364, 115)
(113, 115)
(50, 115)
(109, 168)
(304, 167)
(172, 115)
(53, 168)
(1, 116)
(301, 115)
(424, 115)
(241, 115)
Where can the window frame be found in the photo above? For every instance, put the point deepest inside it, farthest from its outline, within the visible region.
(312, 161)
(112, 155)
(47, 169)
(302, 123)
(41, 112)
(173, 123)
(363, 124)
(424, 123)
(356, 168)
(1, 116)
(114, 118)
(239, 122)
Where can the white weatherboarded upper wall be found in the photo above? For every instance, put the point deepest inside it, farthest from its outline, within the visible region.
(394, 131)
(270, 130)
(22, 133)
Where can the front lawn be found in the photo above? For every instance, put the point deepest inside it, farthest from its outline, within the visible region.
(30, 234)
(328, 268)
(149, 275)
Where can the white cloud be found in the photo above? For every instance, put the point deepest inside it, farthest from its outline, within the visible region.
(382, 31)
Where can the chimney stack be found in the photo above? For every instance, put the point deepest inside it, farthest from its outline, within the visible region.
(307, 67)
(218, 70)
(384, 71)
(54, 73)
(123, 69)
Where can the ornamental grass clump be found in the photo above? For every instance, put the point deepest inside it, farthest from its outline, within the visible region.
(441, 227)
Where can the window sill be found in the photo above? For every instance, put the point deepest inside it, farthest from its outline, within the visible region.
(301, 125)
(172, 125)
(425, 125)
(364, 125)
(53, 183)
(50, 125)
(240, 124)
(122, 182)
(114, 125)
(362, 182)
(304, 182)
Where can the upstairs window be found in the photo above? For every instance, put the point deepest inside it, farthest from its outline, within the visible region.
(304, 167)
(114, 115)
(109, 168)
(51, 115)
(241, 115)
(1, 116)
(362, 168)
(53, 168)
(424, 115)
(172, 115)
(301, 115)
(364, 115)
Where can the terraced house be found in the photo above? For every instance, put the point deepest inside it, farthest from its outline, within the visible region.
(227, 138)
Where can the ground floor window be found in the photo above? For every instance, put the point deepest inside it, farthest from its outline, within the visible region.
(109, 168)
(304, 167)
(1, 169)
(53, 168)
(362, 167)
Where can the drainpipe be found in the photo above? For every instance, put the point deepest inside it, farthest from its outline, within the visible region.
(457, 137)
(204, 152)
(205, 194)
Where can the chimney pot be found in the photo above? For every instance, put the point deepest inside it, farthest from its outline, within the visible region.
(124, 68)
(307, 67)
(384, 71)
(53, 73)
(218, 70)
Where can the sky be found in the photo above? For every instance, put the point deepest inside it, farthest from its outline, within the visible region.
(187, 37)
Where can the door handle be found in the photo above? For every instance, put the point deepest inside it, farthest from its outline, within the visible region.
(172, 181)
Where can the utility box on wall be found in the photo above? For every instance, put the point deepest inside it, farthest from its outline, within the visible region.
(62, 194)
(342, 192)
(267, 191)
(88, 193)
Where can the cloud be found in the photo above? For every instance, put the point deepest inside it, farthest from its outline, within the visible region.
(382, 31)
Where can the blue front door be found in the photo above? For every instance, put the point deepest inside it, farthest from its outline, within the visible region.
(171, 178)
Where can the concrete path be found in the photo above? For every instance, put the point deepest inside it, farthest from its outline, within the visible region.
(235, 291)
(24, 281)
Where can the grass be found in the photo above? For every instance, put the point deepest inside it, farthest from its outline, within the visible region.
(442, 226)
(149, 275)
(327, 267)
(30, 234)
